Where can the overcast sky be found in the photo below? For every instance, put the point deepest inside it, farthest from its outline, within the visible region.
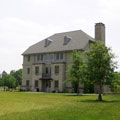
(25, 22)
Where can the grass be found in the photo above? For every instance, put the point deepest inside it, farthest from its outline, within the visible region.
(43, 106)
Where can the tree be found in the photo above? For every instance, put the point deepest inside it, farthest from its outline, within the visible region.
(100, 66)
(1, 82)
(76, 71)
(17, 75)
(115, 84)
(4, 73)
(9, 81)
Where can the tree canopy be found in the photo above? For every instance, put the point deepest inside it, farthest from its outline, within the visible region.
(115, 84)
(76, 72)
(11, 80)
(100, 65)
(93, 67)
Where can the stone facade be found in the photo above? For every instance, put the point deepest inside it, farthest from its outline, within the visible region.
(45, 63)
(47, 78)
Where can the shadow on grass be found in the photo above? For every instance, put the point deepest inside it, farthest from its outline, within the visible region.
(103, 101)
(83, 95)
(73, 95)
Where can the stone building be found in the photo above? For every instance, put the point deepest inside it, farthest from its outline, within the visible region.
(45, 63)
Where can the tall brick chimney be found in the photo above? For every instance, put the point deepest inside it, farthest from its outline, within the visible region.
(100, 32)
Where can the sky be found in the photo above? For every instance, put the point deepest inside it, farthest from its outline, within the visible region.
(25, 22)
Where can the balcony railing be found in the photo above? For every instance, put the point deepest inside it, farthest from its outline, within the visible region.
(46, 76)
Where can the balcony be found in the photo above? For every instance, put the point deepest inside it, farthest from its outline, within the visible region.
(46, 76)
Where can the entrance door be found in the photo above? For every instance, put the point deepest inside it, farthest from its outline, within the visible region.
(47, 86)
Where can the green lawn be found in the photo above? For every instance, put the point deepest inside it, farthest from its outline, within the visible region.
(43, 106)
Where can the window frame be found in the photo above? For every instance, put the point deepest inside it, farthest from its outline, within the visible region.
(28, 70)
(50, 84)
(57, 56)
(27, 83)
(36, 83)
(28, 58)
(36, 70)
(60, 56)
(56, 84)
(57, 69)
(46, 70)
(40, 57)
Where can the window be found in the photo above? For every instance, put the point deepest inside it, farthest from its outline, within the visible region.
(66, 40)
(40, 57)
(59, 56)
(28, 58)
(48, 58)
(49, 84)
(27, 83)
(51, 57)
(36, 83)
(46, 70)
(56, 84)
(28, 70)
(36, 70)
(56, 69)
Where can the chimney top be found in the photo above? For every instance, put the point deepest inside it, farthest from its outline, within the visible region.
(99, 24)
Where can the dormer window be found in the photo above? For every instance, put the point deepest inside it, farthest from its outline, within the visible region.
(67, 40)
(47, 42)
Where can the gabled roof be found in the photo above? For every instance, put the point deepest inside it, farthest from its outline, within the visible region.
(79, 40)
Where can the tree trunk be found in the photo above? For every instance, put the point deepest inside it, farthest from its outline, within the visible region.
(100, 97)
(100, 93)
